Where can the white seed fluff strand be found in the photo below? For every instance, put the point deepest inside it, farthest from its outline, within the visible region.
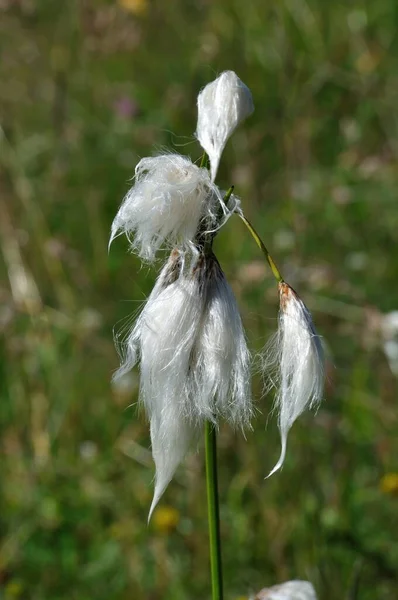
(293, 363)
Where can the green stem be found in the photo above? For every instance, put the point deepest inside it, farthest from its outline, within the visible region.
(213, 511)
(275, 271)
(228, 194)
(204, 163)
(211, 471)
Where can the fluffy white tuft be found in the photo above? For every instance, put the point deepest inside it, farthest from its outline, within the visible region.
(290, 590)
(293, 363)
(162, 340)
(170, 199)
(221, 360)
(194, 361)
(222, 105)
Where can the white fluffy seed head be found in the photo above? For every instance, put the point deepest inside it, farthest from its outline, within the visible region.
(221, 359)
(293, 363)
(194, 361)
(170, 200)
(290, 590)
(222, 105)
(162, 341)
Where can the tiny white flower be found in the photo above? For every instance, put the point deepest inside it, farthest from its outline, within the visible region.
(193, 357)
(170, 200)
(290, 590)
(294, 364)
(222, 105)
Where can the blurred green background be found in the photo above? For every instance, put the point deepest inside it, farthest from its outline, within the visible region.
(87, 88)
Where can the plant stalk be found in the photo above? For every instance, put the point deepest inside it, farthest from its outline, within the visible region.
(213, 511)
(275, 271)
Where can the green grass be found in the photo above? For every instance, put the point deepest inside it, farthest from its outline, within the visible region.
(89, 88)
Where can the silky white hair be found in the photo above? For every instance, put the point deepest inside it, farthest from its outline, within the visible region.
(222, 105)
(171, 199)
(194, 361)
(293, 363)
(221, 359)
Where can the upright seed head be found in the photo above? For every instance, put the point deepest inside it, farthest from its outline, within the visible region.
(222, 105)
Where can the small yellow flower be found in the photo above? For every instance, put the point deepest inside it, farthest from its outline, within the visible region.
(137, 7)
(389, 484)
(166, 519)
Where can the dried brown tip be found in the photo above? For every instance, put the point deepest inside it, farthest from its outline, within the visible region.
(286, 294)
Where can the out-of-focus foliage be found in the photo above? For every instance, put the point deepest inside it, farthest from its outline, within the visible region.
(87, 88)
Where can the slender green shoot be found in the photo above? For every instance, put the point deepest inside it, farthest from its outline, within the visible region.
(228, 194)
(211, 467)
(213, 511)
(204, 163)
(275, 271)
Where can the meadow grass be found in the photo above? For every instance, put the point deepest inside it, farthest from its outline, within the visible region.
(88, 89)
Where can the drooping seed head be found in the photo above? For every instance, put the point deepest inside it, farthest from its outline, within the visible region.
(194, 361)
(293, 363)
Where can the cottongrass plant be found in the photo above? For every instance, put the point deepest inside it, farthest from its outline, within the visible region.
(188, 339)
